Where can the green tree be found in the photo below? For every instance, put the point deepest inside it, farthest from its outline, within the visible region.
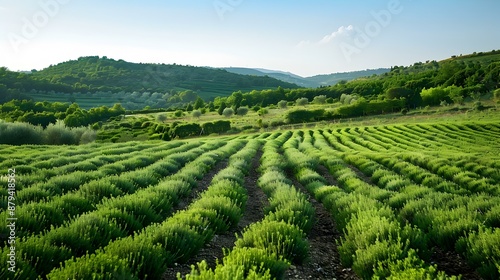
(433, 96)
(222, 107)
(117, 109)
(496, 95)
(161, 117)
(78, 118)
(179, 113)
(263, 111)
(235, 99)
(228, 112)
(242, 111)
(211, 107)
(302, 101)
(397, 92)
(196, 114)
(188, 96)
(455, 94)
(282, 104)
(319, 99)
(199, 103)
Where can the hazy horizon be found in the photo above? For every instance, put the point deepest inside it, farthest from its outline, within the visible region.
(304, 38)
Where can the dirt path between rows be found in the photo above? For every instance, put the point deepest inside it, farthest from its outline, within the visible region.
(453, 264)
(324, 258)
(212, 251)
(202, 185)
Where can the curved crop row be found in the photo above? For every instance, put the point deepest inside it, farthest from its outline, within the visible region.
(36, 217)
(120, 216)
(445, 218)
(359, 136)
(42, 157)
(375, 244)
(150, 251)
(466, 179)
(266, 248)
(52, 187)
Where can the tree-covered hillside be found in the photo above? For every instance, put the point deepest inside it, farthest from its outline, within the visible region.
(95, 74)
(423, 83)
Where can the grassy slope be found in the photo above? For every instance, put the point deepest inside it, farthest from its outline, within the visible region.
(430, 115)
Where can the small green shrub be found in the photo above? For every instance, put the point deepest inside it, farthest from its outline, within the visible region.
(145, 260)
(42, 255)
(85, 234)
(95, 191)
(180, 240)
(277, 238)
(482, 251)
(411, 268)
(94, 266)
(258, 260)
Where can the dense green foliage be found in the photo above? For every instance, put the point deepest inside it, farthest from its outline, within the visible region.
(45, 113)
(395, 192)
(103, 74)
(143, 128)
(53, 134)
(473, 76)
(102, 81)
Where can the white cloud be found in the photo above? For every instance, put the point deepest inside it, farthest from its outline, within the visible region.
(343, 30)
(304, 43)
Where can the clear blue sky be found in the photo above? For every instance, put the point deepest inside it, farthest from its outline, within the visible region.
(303, 37)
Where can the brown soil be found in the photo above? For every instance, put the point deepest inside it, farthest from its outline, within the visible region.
(453, 264)
(323, 171)
(202, 185)
(214, 249)
(324, 258)
(360, 174)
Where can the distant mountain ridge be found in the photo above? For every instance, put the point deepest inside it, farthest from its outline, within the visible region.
(309, 82)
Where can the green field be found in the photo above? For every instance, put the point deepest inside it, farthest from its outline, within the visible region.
(414, 200)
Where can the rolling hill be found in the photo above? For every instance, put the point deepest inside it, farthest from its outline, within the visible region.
(101, 74)
(308, 82)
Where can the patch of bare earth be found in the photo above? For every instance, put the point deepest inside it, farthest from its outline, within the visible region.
(453, 264)
(201, 186)
(360, 174)
(324, 259)
(256, 202)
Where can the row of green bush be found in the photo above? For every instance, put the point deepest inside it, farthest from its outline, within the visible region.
(38, 183)
(358, 108)
(468, 180)
(89, 188)
(54, 134)
(451, 216)
(265, 249)
(375, 244)
(131, 127)
(451, 219)
(146, 254)
(120, 216)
